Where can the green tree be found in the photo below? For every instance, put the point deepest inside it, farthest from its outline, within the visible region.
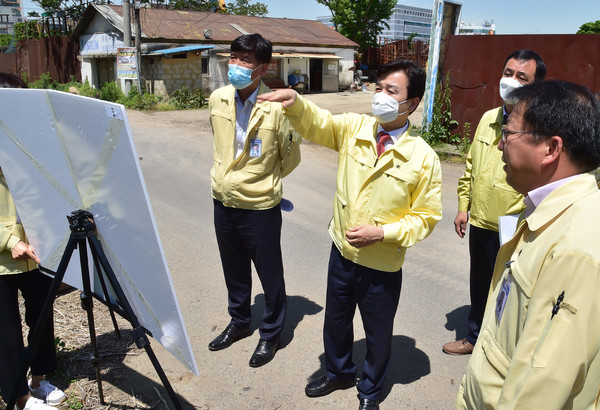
(360, 20)
(75, 8)
(69, 8)
(240, 7)
(593, 27)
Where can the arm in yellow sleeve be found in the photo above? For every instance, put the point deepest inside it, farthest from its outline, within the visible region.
(425, 211)
(464, 185)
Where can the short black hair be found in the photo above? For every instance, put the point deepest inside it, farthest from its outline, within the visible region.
(569, 110)
(256, 43)
(526, 55)
(416, 76)
(11, 81)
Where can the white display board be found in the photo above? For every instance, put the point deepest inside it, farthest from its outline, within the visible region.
(60, 153)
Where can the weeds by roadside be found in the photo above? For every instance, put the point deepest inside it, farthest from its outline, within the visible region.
(180, 99)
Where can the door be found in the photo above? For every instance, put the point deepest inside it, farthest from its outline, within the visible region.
(316, 75)
(106, 70)
(330, 76)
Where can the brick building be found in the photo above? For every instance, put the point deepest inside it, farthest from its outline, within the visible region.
(190, 48)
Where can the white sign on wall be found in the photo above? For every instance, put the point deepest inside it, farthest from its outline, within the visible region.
(127, 63)
(100, 43)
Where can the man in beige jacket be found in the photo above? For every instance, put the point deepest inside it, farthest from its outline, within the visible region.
(254, 148)
(539, 345)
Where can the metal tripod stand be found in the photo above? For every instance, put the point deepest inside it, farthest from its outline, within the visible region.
(83, 231)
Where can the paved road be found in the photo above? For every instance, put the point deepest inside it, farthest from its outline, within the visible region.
(176, 155)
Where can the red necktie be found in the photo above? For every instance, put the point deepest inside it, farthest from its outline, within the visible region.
(382, 138)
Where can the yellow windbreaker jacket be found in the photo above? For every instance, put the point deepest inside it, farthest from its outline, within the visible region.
(401, 191)
(528, 358)
(482, 189)
(11, 232)
(247, 182)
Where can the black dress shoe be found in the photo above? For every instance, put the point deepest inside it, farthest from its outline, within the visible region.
(264, 352)
(323, 386)
(231, 334)
(368, 404)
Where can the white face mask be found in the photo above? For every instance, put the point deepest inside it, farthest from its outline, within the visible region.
(385, 108)
(507, 85)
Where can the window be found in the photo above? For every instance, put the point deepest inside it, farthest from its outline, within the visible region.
(204, 65)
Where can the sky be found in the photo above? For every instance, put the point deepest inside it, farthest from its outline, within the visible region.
(510, 16)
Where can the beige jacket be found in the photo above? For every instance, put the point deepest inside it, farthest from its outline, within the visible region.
(11, 232)
(525, 358)
(251, 182)
(482, 190)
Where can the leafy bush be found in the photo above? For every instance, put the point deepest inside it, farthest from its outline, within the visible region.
(465, 139)
(44, 82)
(165, 106)
(438, 132)
(181, 99)
(6, 40)
(84, 88)
(136, 101)
(184, 99)
(111, 91)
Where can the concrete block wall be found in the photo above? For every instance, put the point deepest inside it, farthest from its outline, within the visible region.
(164, 75)
(180, 72)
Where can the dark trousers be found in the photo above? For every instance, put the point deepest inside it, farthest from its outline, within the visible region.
(377, 294)
(246, 236)
(34, 288)
(483, 248)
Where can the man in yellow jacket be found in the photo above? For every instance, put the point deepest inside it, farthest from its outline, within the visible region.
(539, 346)
(254, 148)
(388, 198)
(483, 192)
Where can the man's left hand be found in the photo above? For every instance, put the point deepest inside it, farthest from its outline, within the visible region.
(364, 235)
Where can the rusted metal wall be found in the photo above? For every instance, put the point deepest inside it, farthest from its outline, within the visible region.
(476, 62)
(388, 51)
(8, 63)
(54, 55)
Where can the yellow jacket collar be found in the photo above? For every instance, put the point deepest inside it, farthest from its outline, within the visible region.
(560, 199)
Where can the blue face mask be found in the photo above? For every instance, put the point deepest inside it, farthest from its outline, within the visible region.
(240, 77)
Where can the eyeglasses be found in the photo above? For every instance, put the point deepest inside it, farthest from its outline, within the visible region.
(506, 133)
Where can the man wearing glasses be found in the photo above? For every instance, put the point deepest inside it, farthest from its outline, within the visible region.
(539, 345)
(483, 194)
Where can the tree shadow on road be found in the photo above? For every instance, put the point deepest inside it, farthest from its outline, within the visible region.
(407, 365)
(457, 321)
(297, 308)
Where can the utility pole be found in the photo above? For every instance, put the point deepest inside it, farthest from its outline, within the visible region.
(126, 39)
(138, 42)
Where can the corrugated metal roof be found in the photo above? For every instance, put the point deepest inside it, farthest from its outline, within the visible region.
(190, 26)
(174, 50)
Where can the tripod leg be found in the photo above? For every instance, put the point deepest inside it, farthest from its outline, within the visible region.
(138, 332)
(88, 304)
(106, 295)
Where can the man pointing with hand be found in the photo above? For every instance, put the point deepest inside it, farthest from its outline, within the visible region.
(388, 198)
